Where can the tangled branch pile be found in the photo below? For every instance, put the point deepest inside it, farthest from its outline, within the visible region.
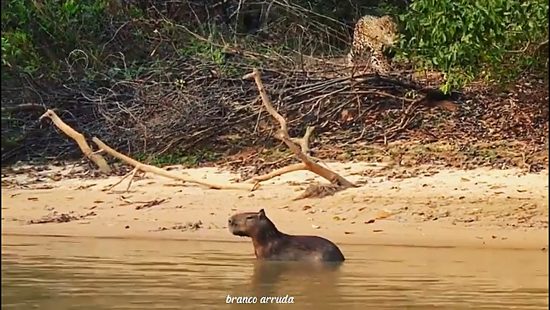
(192, 105)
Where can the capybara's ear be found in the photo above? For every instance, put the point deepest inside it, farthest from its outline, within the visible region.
(261, 213)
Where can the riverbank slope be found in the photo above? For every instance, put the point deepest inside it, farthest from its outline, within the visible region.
(433, 207)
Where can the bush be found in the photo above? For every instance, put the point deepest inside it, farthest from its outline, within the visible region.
(36, 33)
(493, 39)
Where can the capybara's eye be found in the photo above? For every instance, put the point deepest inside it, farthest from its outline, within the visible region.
(250, 217)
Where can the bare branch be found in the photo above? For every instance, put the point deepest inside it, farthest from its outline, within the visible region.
(278, 172)
(80, 140)
(158, 171)
(297, 146)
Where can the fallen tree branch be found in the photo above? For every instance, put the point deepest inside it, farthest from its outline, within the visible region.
(159, 171)
(304, 141)
(298, 146)
(79, 139)
(278, 172)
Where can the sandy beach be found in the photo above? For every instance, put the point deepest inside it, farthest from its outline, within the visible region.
(436, 207)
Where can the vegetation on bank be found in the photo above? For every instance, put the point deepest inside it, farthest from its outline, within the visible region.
(86, 47)
(495, 40)
(463, 39)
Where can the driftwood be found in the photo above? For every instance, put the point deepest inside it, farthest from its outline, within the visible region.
(138, 166)
(300, 148)
(80, 140)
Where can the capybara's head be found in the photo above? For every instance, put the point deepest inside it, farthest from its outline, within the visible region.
(250, 224)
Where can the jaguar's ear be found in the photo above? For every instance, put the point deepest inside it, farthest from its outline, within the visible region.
(261, 213)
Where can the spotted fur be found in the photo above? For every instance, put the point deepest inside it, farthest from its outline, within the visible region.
(371, 36)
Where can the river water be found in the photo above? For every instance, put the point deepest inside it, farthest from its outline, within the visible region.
(90, 273)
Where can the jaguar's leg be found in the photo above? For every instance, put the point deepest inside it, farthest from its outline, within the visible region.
(379, 63)
(350, 58)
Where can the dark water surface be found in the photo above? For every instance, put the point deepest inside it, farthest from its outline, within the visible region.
(87, 273)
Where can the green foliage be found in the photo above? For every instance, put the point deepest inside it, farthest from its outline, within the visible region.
(204, 50)
(17, 48)
(36, 33)
(209, 52)
(493, 39)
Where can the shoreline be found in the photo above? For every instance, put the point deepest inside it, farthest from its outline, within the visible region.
(480, 208)
(520, 242)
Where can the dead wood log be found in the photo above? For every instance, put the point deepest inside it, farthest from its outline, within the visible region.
(159, 171)
(278, 172)
(79, 139)
(300, 148)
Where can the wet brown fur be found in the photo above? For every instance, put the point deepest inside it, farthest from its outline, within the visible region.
(271, 244)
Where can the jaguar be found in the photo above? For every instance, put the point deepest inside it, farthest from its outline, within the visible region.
(372, 37)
